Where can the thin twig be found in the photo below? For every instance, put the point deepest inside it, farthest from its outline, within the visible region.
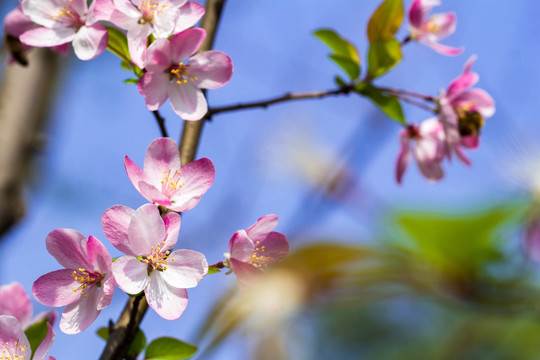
(399, 92)
(417, 103)
(161, 123)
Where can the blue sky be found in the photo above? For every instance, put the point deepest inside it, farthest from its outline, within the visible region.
(97, 119)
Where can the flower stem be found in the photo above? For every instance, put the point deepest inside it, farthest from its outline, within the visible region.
(161, 123)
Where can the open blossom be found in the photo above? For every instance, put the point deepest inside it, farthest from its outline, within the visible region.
(164, 182)
(149, 265)
(14, 344)
(14, 301)
(85, 285)
(429, 149)
(429, 31)
(141, 18)
(169, 75)
(255, 248)
(64, 21)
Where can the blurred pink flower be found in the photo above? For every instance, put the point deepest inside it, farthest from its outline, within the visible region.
(255, 248)
(141, 18)
(164, 182)
(15, 345)
(428, 151)
(85, 285)
(429, 31)
(150, 266)
(62, 22)
(169, 76)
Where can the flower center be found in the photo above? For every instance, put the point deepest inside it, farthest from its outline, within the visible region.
(258, 259)
(149, 9)
(180, 73)
(86, 279)
(158, 259)
(65, 14)
(413, 131)
(170, 183)
(432, 26)
(13, 351)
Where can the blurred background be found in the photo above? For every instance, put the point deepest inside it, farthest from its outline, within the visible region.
(377, 270)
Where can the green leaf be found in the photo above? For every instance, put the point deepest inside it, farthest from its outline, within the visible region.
(339, 81)
(131, 81)
(382, 56)
(137, 344)
(389, 104)
(213, 270)
(36, 333)
(167, 348)
(118, 43)
(385, 21)
(345, 54)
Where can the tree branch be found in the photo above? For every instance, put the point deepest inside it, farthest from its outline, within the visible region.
(161, 123)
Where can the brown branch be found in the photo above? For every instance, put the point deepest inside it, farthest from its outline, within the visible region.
(191, 133)
(161, 123)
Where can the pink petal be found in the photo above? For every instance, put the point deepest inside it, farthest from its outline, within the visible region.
(164, 22)
(11, 334)
(172, 223)
(262, 227)
(98, 255)
(152, 194)
(134, 172)
(107, 291)
(402, 161)
(154, 87)
(16, 22)
(90, 41)
(158, 56)
(167, 301)
(477, 100)
(470, 142)
(187, 269)
(162, 155)
(81, 314)
(245, 273)
(130, 274)
(15, 301)
(40, 11)
(461, 155)
(44, 37)
(445, 22)
(427, 161)
(213, 69)
(56, 288)
(146, 230)
(443, 49)
(197, 177)
(241, 246)
(189, 15)
(45, 345)
(137, 38)
(276, 247)
(186, 43)
(187, 101)
(68, 248)
(115, 223)
(417, 12)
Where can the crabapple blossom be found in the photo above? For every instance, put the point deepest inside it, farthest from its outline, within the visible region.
(14, 344)
(141, 18)
(64, 21)
(85, 285)
(164, 182)
(149, 265)
(428, 150)
(169, 75)
(429, 31)
(253, 249)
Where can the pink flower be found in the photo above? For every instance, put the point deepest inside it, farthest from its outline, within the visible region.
(170, 76)
(14, 343)
(255, 248)
(85, 285)
(150, 266)
(14, 301)
(140, 18)
(62, 22)
(164, 182)
(428, 151)
(430, 31)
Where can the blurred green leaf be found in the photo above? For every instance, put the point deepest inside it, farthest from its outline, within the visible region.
(389, 104)
(345, 54)
(135, 348)
(385, 21)
(132, 81)
(36, 333)
(167, 348)
(382, 56)
(339, 81)
(118, 43)
(213, 270)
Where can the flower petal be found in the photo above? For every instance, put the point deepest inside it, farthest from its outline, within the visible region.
(90, 41)
(213, 69)
(56, 288)
(134, 172)
(79, 315)
(12, 336)
(68, 248)
(45, 344)
(262, 227)
(197, 177)
(162, 155)
(145, 230)
(98, 255)
(115, 224)
(15, 301)
(107, 291)
(16, 22)
(477, 100)
(130, 274)
(152, 194)
(189, 15)
(187, 101)
(167, 301)
(274, 247)
(403, 158)
(44, 37)
(187, 269)
(443, 49)
(154, 86)
(241, 246)
(137, 36)
(186, 43)
(172, 223)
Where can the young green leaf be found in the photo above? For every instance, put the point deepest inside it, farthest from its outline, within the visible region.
(345, 54)
(350, 67)
(36, 333)
(383, 56)
(167, 348)
(213, 270)
(385, 21)
(389, 104)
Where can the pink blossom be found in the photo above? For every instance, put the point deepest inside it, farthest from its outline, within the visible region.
(255, 248)
(85, 285)
(170, 76)
(428, 151)
(14, 301)
(164, 182)
(149, 265)
(14, 343)
(429, 31)
(62, 22)
(160, 18)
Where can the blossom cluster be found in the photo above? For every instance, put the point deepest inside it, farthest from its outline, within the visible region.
(165, 25)
(461, 109)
